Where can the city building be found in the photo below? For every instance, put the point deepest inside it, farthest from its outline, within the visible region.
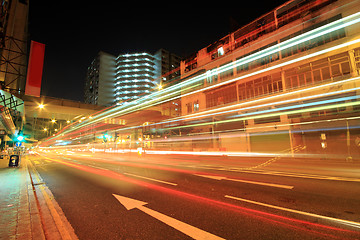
(167, 67)
(13, 44)
(117, 80)
(99, 82)
(135, 76)
(303, 53)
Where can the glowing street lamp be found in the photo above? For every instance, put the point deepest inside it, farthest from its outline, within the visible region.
(41, 106)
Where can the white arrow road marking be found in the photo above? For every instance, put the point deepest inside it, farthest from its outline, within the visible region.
(187, 229)
(346, 222)
(246, 181)
(151, 179)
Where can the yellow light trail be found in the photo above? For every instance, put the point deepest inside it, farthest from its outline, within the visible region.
(271, 115)
(173, 92)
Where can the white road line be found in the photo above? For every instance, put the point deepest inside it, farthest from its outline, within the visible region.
(151, 179)
(262, 183)
(303, 175)
(346, 222)
(247, 181)
(96, 167)
(284, 174)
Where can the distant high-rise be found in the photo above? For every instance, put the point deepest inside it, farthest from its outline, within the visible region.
(168, 67)
(99, 83)
(114, 80)
(135, 76)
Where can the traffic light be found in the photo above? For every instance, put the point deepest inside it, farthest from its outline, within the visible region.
(20, 138)
(106, 137)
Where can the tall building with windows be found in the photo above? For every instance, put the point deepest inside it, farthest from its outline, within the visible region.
(287, 65)
(99, 82)
(167, 67)
(135, 76)
(117, 80)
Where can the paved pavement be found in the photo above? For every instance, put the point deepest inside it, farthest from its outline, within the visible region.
(27, 208)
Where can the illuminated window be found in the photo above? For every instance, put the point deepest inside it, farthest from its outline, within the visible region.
(196, 106)
(221, 51)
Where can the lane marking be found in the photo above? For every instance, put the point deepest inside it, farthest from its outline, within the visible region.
(246, 181)
(276, 173)
(96, 167)
(302, 175)
(151, 179)
(346, 222)
(185, 228)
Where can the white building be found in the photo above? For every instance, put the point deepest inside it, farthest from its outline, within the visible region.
(117, 80)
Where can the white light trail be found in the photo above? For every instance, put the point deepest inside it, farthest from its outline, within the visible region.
(173, 92)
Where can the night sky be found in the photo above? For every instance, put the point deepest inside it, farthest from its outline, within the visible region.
(74, 34)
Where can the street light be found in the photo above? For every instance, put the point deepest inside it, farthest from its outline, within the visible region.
(53, 120)
(41, 106)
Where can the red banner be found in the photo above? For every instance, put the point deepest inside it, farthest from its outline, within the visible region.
(35, 69)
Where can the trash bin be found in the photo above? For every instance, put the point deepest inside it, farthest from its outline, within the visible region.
(14, 161)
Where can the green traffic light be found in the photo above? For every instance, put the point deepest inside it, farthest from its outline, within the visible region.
(20, 138)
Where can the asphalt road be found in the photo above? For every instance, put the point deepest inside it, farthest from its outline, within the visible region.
(202, 197)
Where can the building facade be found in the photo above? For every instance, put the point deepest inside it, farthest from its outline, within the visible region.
(167, 67)
(117, 80)
(302, 54)
(13, 44)
(135, 76)
(99, 82)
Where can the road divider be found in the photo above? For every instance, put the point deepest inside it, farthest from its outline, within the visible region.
(246, 181)
(185, 228)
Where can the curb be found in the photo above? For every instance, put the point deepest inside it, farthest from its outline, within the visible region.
(35, 218)
(53, 222)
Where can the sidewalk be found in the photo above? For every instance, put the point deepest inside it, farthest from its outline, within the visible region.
(28, 209)
(20, 218)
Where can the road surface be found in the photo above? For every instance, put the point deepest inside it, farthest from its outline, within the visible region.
(122, 196)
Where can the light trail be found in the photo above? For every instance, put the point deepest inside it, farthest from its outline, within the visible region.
(254, 116)
(168, 93)
(242, 106)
